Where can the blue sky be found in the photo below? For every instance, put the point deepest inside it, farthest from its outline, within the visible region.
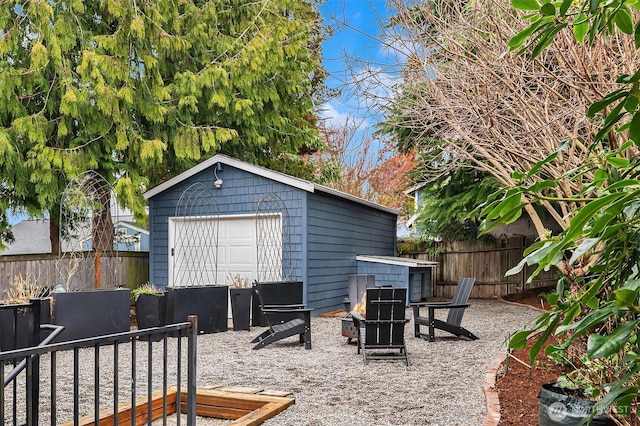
(358, 39)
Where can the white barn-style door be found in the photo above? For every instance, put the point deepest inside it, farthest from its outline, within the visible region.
(190, 239)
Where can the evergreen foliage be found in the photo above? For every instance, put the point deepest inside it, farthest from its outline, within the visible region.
(450, 191)
(142, 91)
(448, 208)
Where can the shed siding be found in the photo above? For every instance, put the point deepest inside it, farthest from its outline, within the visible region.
(393, 275)
(338, 231)
(238, 195)
(386, 274)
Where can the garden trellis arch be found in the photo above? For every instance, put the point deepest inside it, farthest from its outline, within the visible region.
(88, 240)
(273, 240)
(194, 238)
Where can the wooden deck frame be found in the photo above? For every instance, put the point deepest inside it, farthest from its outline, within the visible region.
(246, 409)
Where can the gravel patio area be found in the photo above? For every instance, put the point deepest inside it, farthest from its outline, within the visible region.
(331, 384)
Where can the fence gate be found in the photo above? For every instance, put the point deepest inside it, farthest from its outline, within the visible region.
(79, 381)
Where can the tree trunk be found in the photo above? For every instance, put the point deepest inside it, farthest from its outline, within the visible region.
(54, 230)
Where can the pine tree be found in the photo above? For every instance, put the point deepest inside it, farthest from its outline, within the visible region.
(141, 91)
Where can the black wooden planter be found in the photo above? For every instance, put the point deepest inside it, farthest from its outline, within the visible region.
(209, 303)
(14, 329)
(240, 307)
(14, 325)
(558, 407)
(91, 313)
(151, 311)
(275, 293)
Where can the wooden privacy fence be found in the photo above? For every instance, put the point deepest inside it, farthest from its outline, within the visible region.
(488, 262)
(131, 270)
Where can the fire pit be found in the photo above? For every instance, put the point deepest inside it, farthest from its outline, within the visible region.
(358, 285)
(348, 328)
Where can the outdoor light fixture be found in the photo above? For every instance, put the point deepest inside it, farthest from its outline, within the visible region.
(218, 181)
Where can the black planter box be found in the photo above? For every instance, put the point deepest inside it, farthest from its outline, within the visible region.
(275, 293)
(241, 307)
(14, 325)
(91, 313)
(151, 311)
(209, 303)
(14, 330)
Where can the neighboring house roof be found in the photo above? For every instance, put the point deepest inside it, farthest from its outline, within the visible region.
(32, 237)
(409, 191)
(264, 172)
(414, 192)
(131, 225)
(412, 220)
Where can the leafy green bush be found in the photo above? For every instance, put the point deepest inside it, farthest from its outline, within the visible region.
(596, 305)
(146, 288)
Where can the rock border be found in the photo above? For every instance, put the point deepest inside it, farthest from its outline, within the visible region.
(489, 385)
(490, 392)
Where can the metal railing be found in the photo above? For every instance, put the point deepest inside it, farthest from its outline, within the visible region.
(28, 409)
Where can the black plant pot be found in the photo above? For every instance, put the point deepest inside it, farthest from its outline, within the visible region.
(92, 313)
(14, 329)
(151, 311)
(14, 325)
(558, 407)
(209, 303)
(241, 307)
(275, 293)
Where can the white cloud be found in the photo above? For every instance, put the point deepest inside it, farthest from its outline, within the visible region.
(332, 116)
(364, 96)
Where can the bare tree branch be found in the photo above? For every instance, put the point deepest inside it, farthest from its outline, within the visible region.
(493, 109)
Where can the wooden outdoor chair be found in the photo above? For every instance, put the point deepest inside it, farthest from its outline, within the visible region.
(383, 327)
(283, 320)
(454, 318)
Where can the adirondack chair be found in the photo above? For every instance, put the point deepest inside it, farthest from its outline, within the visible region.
(283, 320)
(383, 327)
(454, 318)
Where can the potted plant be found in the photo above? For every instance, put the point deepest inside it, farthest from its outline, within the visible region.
(240, 291)
(84, 311)
(151, 306)
(14, 312)
(568, 403)
(209, 302)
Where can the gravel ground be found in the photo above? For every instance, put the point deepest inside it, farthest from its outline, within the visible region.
(331, 384)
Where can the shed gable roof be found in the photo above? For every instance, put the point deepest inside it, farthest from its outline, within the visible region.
(264, 172)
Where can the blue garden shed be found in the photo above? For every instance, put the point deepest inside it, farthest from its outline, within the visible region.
(323, 231)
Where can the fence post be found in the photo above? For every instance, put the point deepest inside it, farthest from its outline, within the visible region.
(36, 310)
(192, 352)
